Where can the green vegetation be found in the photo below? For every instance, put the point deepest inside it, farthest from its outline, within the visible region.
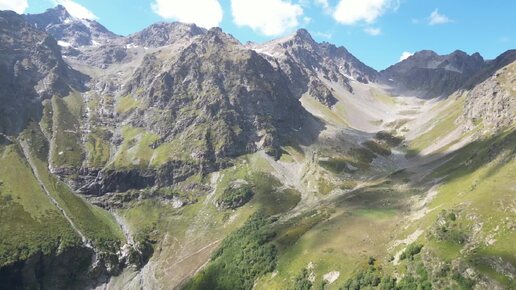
(236, 195)
(361, 157)
(347, 184)
(335, 165)
(383, 97)
(302, 282)
(355, 158)
(447, 228)
(443, 125)
(411, 251)
(74, 104)
(126, 104)
(324, 186)
(242, 257)
(65, 148)
(370, 278)
(30, 222)
(95, 223)
(268, 194)
(377, 147)
(97, 148)
(388, 138)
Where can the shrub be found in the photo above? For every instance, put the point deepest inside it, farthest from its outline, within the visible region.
(411, 251)
(302, 282)
(242, 257)
(235, 196)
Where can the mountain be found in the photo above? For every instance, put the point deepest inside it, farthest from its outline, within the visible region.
(70, 31)
(162, 34)
(308, 65)
(179, 158)
(430, 75)
(32, 70)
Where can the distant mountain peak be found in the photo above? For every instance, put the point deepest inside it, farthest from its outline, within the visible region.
(303, 34)
(165, 33)
(431, 74)
(70, 30)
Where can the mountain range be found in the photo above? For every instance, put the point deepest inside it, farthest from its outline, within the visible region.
(180, 158)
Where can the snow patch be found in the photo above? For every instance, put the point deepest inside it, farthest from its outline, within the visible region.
(331, 276)
(131, 45)
(63, 43)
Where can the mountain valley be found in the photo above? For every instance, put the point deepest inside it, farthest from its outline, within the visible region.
(179, 158)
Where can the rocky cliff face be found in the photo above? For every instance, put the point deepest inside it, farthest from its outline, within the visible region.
(212, 101)
(431, 75)
(31, 70)
(228, 98)
(163, 34)
(492, 102)
(70, 31)
(308, 65)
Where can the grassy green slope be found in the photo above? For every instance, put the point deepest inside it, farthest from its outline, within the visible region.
(95, 223)
(30, 222)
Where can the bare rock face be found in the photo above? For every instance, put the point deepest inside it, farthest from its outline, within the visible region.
(69, 30)
(428, 74)
(162, 34)
(492, 103)
(308, 65)
(31, 69)
(228, 98)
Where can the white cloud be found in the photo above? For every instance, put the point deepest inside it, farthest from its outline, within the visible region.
(327, 35)
(405, 55)
(77, 10)
(205, 13)
(438, 18)
(353, 11)
(269, 17)
(324, 5)
(373, 31)
(17, 6)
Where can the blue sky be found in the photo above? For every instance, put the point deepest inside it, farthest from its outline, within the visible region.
(376, 31)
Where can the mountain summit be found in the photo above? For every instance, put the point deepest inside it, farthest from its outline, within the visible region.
(431, 75)
(69, 30)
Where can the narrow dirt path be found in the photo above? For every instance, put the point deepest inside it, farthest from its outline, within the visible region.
(28, 157)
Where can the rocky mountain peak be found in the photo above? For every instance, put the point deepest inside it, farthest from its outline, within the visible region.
(431, 73)
(217, 36)
(302, 35)
(165, 33)
(68, 30)
(55, 15)
(31, 70)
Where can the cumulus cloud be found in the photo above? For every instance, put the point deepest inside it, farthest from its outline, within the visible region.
(77, 10)
(405, 55)
(205, 13)
(269, 17)
(436, 18)
(373, 31)
(353, 11)
(17, 6)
